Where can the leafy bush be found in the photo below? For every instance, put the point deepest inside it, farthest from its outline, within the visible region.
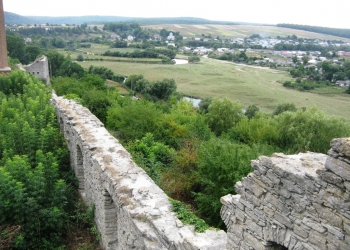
(221, 164)
(152, 156)
(133, 119)
(33, 164)
(223, 115)
(309, 130)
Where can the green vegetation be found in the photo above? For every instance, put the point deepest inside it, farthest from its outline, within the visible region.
(249, 85)
(188, 217)
(38, 201)
(197, 155)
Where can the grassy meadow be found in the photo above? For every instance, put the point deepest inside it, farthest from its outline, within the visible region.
(246, 84)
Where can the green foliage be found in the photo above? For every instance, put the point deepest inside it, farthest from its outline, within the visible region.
(152, 156)
(159, 89)
(221, 164)
(251, 111)
(188, 217)
(194, 59)
(105, 73)
(71, 69)
(204, 104)
(348, 90)
(305, 85)
(162, 89)
(309, 130)
(14, 83)
(33, 193)
(283, 108)
(261, 129)
(223, 115)
(133, 119)
(80, 58)
(56, 60)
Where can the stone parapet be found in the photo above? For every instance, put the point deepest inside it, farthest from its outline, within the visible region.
(292, 202)
(131, 211)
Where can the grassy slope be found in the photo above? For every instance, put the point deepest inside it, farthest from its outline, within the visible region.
(246, 84)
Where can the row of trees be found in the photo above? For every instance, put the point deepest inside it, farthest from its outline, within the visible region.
(148, 53)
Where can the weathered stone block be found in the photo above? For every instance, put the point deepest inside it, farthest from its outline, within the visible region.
(338, 167)
(341, 145)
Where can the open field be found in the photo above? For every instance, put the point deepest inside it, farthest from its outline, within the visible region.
(246, 84)
(240, 31)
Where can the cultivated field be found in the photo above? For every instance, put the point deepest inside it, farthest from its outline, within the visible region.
(246, 84)
(239, 31)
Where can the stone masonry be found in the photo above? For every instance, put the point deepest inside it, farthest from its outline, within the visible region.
(40, 69)
(131, 211)
(295, 202)
(4, 68)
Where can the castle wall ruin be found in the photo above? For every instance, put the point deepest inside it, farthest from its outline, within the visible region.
(295, 202)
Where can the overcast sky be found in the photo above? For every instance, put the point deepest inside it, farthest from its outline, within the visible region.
(327, 13)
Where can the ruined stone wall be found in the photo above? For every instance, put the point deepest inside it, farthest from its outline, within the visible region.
(292, 202)
(40, 69)
(132, 212)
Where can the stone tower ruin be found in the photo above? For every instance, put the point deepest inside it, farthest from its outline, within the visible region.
(4, 68)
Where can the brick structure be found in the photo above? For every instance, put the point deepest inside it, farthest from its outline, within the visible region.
(4, 68)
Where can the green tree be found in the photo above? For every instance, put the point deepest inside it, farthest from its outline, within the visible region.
(80, 58)
(133, 119)
(194, 59)
(221, 164)
(32, 52)
(56, 60)
(251, 111)
(223, 114)
(71, 69)
(283, 108)
(204, 104)
(308, 130)
(162, 89)
(16, 47)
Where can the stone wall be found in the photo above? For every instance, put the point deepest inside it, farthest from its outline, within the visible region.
(132, 212)
(40, 69)
(292, 202)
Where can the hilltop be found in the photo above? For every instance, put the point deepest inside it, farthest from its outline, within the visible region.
(12, 18)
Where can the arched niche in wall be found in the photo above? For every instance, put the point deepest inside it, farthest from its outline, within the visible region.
(110, 221)
(79, 169)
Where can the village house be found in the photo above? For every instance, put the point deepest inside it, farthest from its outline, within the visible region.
(342, 84)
